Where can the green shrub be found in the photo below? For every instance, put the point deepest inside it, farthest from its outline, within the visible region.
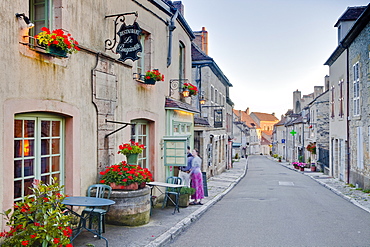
(187, 190)
(40, 220)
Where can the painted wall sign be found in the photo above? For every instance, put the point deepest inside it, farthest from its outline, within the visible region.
(129, 43)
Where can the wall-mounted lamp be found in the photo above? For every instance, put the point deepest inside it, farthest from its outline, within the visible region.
(137, 77)
(185, 92)
(202, 101)
(26, 20)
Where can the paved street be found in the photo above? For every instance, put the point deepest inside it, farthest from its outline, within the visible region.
(276, 206)
(268, 203)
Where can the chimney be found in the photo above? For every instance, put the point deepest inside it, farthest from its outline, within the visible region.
(201, 40)
(327, 82)
(179, 6)
(296, 101)
(317, 91)
(247, 111)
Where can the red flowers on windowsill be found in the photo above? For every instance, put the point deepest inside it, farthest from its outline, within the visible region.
(57, 38)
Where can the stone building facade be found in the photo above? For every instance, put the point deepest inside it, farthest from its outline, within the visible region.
(359, 100)
(63, 116)
(213, 125)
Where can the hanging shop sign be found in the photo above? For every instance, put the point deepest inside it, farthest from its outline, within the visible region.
(129, 43)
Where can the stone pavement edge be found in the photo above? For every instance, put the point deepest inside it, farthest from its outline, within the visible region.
(165, 226)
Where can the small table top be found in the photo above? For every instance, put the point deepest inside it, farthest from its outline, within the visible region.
(87, 201)
(162, 184)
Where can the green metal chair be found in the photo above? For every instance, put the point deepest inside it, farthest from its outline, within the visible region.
(172, 191)
(99, 191)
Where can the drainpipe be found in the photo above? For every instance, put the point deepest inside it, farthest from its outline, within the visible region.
(348, 146)
(171, 27)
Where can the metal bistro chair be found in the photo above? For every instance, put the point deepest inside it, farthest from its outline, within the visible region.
(101, 190)
(172, 191)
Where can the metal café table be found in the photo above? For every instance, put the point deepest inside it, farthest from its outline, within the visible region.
(166, 185)
(83, 201)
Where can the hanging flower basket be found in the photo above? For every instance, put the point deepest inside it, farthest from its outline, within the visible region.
(193, 90)
(152, 76)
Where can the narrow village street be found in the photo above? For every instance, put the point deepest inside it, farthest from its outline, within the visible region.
(143, 123)
(275, 206)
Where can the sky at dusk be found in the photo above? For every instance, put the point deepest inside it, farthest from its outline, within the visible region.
(269, 48)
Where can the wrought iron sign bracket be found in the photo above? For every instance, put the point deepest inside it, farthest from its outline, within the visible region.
(176, 84)
(120, 18)
(124, 126)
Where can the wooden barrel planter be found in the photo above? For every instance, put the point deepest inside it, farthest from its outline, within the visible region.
(132, 208)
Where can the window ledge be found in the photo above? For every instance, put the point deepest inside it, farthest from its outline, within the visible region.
(38, 52)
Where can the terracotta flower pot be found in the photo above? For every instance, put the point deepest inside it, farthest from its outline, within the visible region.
(133, 186)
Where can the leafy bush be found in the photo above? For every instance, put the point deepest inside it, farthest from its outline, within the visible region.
(40, 220)
(187, 190)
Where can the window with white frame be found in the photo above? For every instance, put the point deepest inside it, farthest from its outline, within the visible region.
(356, 90)
(141, 135)
(360, 149)
(341, 99)
(332, 114)
(143, 63)
(181, 61)
(212, 94)
(38, 151)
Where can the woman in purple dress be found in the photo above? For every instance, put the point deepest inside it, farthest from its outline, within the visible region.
(196, 178)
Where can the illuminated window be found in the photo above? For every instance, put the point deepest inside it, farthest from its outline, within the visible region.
(141, 135)
(38, 151)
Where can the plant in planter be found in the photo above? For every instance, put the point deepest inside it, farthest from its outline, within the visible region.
(131, 150)
(311, 148)
(57, 42)
(125, 176)
(295, 164)
(185, 193)
(39, 220)
(301, 166)
(152, 76)
(193, 90)
(313, 167)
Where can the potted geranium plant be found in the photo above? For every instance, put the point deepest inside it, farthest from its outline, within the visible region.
(131, 150)
(57, 42)
(295, 164)
(301, 166)
(311, 148)
(39, 220)
(125, 176)
(152, 76)
(193, 90)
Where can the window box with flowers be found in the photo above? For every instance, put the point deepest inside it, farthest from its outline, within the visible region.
(152, 76)
(193, 90)
(57, 42)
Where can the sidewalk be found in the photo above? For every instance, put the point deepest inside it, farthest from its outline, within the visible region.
(352, 195)
(164, 226)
